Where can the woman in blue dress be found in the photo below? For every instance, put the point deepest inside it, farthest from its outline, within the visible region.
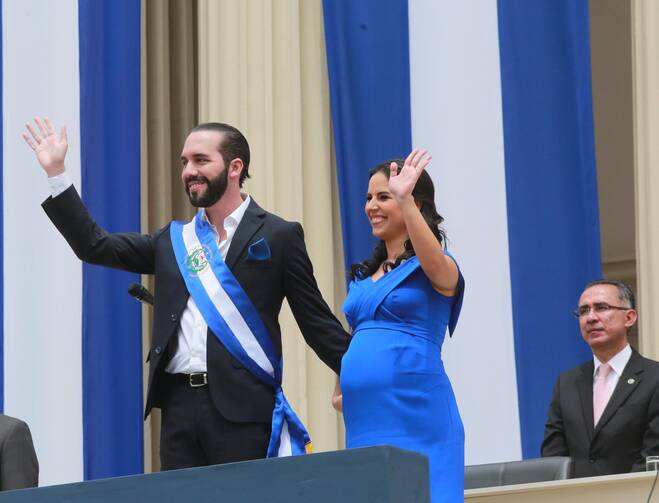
(393, 388)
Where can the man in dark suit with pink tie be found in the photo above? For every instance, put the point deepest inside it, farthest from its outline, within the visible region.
(604, 414)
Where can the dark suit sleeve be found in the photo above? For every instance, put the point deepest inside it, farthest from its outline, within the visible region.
(19, 467)
(554, 443)
(91, 243)
(650, 445)
(319, 326)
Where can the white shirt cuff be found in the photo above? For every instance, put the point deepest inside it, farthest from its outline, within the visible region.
(59, 183)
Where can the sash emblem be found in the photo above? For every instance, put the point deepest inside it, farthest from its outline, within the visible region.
(197, 259)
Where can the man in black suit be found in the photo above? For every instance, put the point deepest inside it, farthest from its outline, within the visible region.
(19, 467)
(214, 410)
(604, 414)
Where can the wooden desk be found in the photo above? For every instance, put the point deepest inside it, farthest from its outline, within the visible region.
(625, 488)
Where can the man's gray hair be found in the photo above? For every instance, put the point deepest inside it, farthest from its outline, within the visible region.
(625, 293)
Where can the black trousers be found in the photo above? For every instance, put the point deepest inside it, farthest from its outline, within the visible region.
(194, 433)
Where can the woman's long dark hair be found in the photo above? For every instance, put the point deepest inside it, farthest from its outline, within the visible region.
(423, 193)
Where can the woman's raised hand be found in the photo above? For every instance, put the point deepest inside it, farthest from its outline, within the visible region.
(402, 183)
(49, 147)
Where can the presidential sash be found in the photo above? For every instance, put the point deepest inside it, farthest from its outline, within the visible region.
(234, 320)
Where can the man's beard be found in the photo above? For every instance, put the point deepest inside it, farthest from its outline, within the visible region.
(215, 189)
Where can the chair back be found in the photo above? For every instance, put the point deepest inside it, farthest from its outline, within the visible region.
(517, 472)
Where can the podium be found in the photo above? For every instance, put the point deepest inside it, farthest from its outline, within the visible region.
(373, 474)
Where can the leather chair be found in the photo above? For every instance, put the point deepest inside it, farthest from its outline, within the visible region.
(517, 472)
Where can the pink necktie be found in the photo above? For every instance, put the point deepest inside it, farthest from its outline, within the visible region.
(601, 391)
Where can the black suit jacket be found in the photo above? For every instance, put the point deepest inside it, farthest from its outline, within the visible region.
(237, 394)
(19, 467)
(627, 432)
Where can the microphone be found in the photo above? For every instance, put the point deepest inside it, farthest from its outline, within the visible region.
(140, 293)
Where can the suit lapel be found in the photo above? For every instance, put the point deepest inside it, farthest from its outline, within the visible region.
(627, 384)
(251, 222)
(585, 388)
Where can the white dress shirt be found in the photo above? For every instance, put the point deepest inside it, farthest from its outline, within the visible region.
(190, 354)
(618, 364)
(59, 183)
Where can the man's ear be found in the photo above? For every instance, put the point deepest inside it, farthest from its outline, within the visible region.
(236, 168)
(630, 318)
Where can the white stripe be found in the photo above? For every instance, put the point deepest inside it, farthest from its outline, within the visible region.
(456, 114)
(42, 277)
(285, 448)
(226, 307)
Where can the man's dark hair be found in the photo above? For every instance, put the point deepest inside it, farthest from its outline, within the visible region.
(233, 145)
(625, 293)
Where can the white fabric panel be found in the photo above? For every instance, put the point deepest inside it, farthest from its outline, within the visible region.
(42, 277)
(285, 448)
(456, 114)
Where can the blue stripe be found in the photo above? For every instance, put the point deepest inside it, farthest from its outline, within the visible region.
(2, 241)
(109, 32)
(369, 74)
(553, 223)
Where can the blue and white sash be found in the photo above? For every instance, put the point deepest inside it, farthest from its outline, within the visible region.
(234, 320)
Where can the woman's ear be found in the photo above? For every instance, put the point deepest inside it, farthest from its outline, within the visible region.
(418, 203)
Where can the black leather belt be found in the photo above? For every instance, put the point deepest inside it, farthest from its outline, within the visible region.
(194, 380)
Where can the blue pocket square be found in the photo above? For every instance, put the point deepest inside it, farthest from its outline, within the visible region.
(259, 250)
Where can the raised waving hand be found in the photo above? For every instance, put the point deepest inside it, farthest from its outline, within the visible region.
(440, 269)
(402, 183)
(49, 146)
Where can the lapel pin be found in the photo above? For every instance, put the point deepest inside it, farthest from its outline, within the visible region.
(631, 381)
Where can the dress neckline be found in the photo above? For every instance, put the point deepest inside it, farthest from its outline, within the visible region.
(400, 266)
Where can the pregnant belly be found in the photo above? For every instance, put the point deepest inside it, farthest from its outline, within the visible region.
(395, 390)
(383, 360)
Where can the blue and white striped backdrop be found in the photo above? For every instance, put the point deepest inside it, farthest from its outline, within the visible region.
(71, 335)
(498, 91)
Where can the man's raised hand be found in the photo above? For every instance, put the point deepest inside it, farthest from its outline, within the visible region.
(49, 147)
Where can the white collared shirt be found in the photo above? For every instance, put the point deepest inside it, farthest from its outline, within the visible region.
(190, 354)
(618, 364)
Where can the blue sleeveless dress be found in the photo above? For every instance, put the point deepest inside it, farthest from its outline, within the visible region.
(395, 389)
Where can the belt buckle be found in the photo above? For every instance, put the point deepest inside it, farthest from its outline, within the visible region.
(196, 383)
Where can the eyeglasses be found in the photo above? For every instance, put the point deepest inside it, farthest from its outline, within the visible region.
(599, 308)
